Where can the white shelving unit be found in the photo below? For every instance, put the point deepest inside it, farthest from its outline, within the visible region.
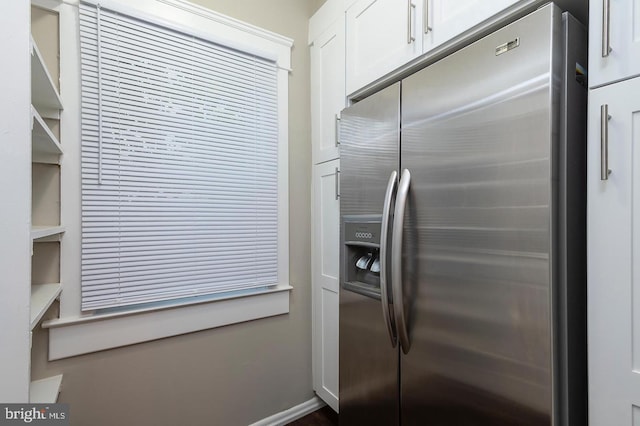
(30, 100)
(45, 391)
(45, 147)
(44, 94)
(46, 102)
(39, 233)
(42, 296)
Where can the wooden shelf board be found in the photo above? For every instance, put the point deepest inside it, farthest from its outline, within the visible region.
(43, 141)
(39, 232)
(45, 391)
(44, 94)
(42, 296)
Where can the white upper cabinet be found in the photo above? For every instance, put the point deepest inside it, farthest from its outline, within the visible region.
(614, 40)
(381, 36)
(445, 19)
(327, 90)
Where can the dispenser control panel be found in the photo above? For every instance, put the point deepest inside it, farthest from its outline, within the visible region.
(362, 232)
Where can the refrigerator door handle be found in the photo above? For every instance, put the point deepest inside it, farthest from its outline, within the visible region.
(384, 245)
(396, 260)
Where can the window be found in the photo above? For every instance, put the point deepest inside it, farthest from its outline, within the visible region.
(180, 173)
(179, 164)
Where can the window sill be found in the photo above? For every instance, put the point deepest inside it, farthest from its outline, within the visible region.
(76, 336)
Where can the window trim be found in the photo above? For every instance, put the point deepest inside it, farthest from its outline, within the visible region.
(77, 336)
(75, 332)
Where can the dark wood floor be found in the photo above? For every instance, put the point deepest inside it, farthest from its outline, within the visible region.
(322, 417)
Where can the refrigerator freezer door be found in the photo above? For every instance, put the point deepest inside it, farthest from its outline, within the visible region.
(368, 362)
(369, 135)
(478, 138)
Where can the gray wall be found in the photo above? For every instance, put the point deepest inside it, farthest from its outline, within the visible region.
(232, 375)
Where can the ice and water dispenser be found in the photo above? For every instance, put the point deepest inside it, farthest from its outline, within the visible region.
(361, 255)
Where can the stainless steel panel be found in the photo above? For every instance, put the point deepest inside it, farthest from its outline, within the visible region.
(478, 135)
(368, 363)
(370, 131)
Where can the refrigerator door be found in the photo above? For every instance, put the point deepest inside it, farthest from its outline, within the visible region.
(369, 135)
(478, 136)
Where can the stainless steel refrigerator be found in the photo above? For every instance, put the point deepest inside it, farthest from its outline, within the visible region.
(462, 298)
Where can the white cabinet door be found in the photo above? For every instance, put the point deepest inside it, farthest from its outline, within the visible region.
(381, 36)
(623, 60)
(445, 19)
(327, 90)
(325, 248)
(614, 257)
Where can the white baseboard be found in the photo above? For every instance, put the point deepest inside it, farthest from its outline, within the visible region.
(291, 414)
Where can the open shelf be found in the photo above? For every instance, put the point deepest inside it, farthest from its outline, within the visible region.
(42, 232)
(42, 296)
(43, 189)
(45, 391)
(44, 145)
(44, 95)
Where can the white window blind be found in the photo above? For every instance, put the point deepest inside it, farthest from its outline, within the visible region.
(179, 164)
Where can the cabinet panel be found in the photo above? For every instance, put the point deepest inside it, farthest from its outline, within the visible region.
(613, 254)
(327, 90)
(381, 35)
(445, 19)
(622, 29)
(325, 270)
